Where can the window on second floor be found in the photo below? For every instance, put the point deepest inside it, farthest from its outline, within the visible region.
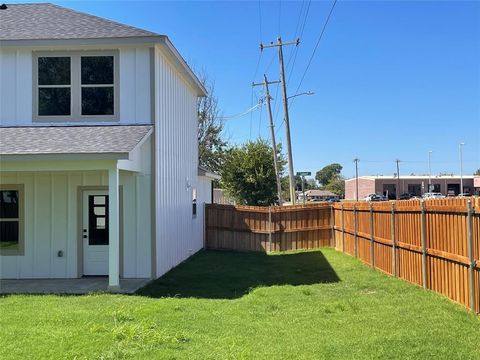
(76, 86)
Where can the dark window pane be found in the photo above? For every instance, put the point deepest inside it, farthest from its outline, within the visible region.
(53, 101)
(97, 70)
(8, 204)
(97, 224)
(54, 71)
(97, 101)
(9, 235)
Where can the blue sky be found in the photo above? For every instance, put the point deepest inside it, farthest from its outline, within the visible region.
(391, 79)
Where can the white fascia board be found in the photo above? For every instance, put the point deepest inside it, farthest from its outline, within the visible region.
(59, 165)
(62, 157)
(208, 174)
(182, 67)
(82, 42)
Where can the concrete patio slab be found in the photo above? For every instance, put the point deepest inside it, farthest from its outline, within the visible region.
(68, 286)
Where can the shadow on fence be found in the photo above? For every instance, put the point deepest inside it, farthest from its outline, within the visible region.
(230, 275)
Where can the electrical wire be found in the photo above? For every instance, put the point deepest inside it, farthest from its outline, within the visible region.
(316, 47)
(243, 113)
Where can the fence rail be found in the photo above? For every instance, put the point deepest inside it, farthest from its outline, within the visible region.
(434, 244)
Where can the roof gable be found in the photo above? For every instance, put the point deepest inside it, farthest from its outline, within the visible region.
(49, 21)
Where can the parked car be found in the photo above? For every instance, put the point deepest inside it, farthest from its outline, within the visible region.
(406, 196)
(333, 199)
(369, 197)
(433, 195)
(376, 197)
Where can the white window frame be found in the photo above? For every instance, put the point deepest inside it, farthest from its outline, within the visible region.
(76, 87)
(20, 251)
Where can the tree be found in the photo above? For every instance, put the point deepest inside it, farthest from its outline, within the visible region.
(248, 174)
(211, 146)
(477, 173)
(328, 173)
(337, 186)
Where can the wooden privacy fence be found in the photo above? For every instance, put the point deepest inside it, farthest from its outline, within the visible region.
(252, 228)
(435, 243)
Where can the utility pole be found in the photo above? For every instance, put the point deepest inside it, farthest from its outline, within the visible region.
(280, 45)
(356, 160)
(430, 171)
(397, 193)
(272, 130)
(460, 147)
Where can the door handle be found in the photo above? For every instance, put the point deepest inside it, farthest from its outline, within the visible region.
(85, 236)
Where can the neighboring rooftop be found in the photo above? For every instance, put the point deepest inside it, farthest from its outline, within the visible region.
(315, 192)
(47, 21)
(117, 139)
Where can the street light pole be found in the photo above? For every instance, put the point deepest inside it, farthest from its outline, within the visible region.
(460, 147)
(430, 171)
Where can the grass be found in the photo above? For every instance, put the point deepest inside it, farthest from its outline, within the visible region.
(306, 305)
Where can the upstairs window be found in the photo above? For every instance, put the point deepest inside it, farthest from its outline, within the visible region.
(74, 86)
(97, 85)
(54, 86)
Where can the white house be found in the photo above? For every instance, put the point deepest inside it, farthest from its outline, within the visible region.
(98, 148)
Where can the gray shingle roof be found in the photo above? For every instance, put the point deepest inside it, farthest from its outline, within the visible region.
(71, 139)
(48, 21)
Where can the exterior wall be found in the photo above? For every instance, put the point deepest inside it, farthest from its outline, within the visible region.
(16, 66)
(365, 187)
(443, 182)
(52, 223)
(176, 164)
(376, 186)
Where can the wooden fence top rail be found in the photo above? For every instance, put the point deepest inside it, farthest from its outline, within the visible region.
(267, 209)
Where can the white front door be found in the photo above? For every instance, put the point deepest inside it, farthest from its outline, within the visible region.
(95, 232)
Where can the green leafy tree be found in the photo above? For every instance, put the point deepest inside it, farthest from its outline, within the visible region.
(337, 186)
(248, 174)
(328, 173)
(477, 173)
(211, 145)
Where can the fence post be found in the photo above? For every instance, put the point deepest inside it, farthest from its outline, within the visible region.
(332, 223)
(471, 259)
(372, 244)
(355, 229)
(424, 246)
(394, 245)
(270, 227)
(343, 231)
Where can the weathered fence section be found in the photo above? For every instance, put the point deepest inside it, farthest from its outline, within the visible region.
(252, 228)
(434, 244)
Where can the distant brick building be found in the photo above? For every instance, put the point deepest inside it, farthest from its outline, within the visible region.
(416, 185)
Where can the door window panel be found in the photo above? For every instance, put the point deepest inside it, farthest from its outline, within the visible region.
(97, 220)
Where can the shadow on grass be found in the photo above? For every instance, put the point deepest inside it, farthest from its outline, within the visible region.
(230, 275)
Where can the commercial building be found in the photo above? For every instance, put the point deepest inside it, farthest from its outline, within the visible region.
(415, 185)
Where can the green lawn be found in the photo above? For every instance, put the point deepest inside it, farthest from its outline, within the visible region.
(307, 305)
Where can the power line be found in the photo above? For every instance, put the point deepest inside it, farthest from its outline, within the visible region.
(260, 19)
(280, 18)
(243, 113)
(297, 48)
(316, 46)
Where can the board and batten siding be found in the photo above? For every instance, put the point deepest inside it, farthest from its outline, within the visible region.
(16, 86)
(51, 223)
(176, 165)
